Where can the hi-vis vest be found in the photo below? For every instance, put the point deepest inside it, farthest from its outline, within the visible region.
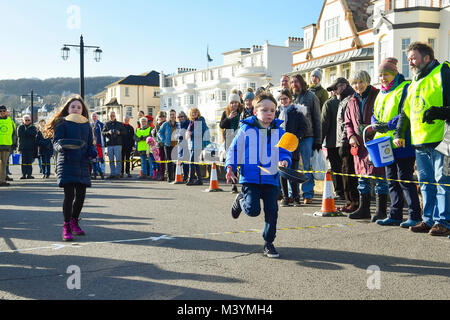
(6, 131)
(386, 107)
(142, 145)
(423, 94)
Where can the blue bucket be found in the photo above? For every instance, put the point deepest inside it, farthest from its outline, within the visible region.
(380, 151)
(16, 158)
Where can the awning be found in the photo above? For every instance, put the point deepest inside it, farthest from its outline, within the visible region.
(336, 59)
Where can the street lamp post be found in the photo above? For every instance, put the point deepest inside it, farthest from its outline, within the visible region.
(31, 96)
(97, 57)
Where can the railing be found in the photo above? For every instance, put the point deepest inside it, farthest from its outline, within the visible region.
(402, 4)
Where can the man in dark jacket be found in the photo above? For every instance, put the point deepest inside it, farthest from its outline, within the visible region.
(127, 146)
(329, 121)
(113, 131)
(344, 91)
(27, 133)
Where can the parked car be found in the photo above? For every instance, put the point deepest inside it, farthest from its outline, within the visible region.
(213, 152)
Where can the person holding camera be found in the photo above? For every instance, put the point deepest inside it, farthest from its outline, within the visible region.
(113, 131)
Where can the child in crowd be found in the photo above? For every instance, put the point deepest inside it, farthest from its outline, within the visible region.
(152, 153)
(45, 146)
(73, 140)
(96, 162)
(253, 149)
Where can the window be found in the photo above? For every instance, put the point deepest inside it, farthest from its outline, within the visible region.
(127, 92)
(156, 94)
(189, 100)
(383, 49)
(150, 111)
(432, 43)
(405, 63)
(331, 28)
(179, 101)
(253, 85)
(129, 111)
(224, 95)
(169, 102)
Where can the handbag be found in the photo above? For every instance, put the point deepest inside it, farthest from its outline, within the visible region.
(319, 165)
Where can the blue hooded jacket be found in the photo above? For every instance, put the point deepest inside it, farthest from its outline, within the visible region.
(250, 151)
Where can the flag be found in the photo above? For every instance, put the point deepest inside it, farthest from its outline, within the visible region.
(208, 56)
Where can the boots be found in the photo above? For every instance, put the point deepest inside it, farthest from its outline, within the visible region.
(76, 227)
(363, 211)
(380, 213)
(67, 232)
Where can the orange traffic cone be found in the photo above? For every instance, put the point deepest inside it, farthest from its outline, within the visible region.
(328, 206)
(214, 183)
(179, 176)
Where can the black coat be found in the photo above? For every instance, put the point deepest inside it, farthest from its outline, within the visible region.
(128, 138)
(45, 145)
(114, 139)
(27, 138)
(296, 124)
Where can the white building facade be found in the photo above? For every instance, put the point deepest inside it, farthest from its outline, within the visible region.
(397, 23)
(209, 89)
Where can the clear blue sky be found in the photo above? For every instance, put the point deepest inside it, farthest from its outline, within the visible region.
(138, 36)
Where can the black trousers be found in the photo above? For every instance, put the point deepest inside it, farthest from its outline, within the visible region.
(74, 195)
(294, 186)
(170, 165)
(336, 166)
(350, 184)
(126, 155)
(403, 169)
(27, 161)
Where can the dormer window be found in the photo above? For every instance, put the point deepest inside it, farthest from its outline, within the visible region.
(332, 28)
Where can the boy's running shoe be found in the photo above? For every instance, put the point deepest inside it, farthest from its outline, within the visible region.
(270, 251)
(236, 208)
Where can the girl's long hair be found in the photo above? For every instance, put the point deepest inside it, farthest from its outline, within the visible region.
(239, 109)
(62, 113)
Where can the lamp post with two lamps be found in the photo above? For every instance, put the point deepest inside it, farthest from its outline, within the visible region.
(97, 57)
(23, 99)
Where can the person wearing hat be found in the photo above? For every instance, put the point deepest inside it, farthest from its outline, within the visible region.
(388, 105)
(316, 87)
(229, 122)
(328, 120)
(343, 91)
(424, 111)
(358, 117)
(248, 104)
(8, 142)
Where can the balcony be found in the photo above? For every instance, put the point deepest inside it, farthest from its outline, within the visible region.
(251, 72)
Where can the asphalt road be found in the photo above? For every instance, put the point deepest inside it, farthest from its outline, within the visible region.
(155, 240)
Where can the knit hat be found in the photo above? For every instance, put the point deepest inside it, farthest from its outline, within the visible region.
(318, 73)
(234, 97)
(249, 94)
(389, 65)
(2, 108)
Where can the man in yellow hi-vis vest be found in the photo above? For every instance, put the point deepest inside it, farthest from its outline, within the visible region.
(425, 109)
(8, 141)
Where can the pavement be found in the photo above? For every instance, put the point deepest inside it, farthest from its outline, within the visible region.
(150, 240)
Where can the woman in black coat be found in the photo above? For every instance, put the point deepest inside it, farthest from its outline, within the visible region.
(27, 146)
(73, 159)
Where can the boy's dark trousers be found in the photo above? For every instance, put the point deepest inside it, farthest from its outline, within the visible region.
(126, 156)
(251, 206)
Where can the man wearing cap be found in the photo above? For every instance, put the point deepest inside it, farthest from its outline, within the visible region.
(424, 111)
(8, 142)
(329, 116)
(316, 87)
(342, 89)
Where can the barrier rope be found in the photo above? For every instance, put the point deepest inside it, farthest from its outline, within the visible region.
(300, 171)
